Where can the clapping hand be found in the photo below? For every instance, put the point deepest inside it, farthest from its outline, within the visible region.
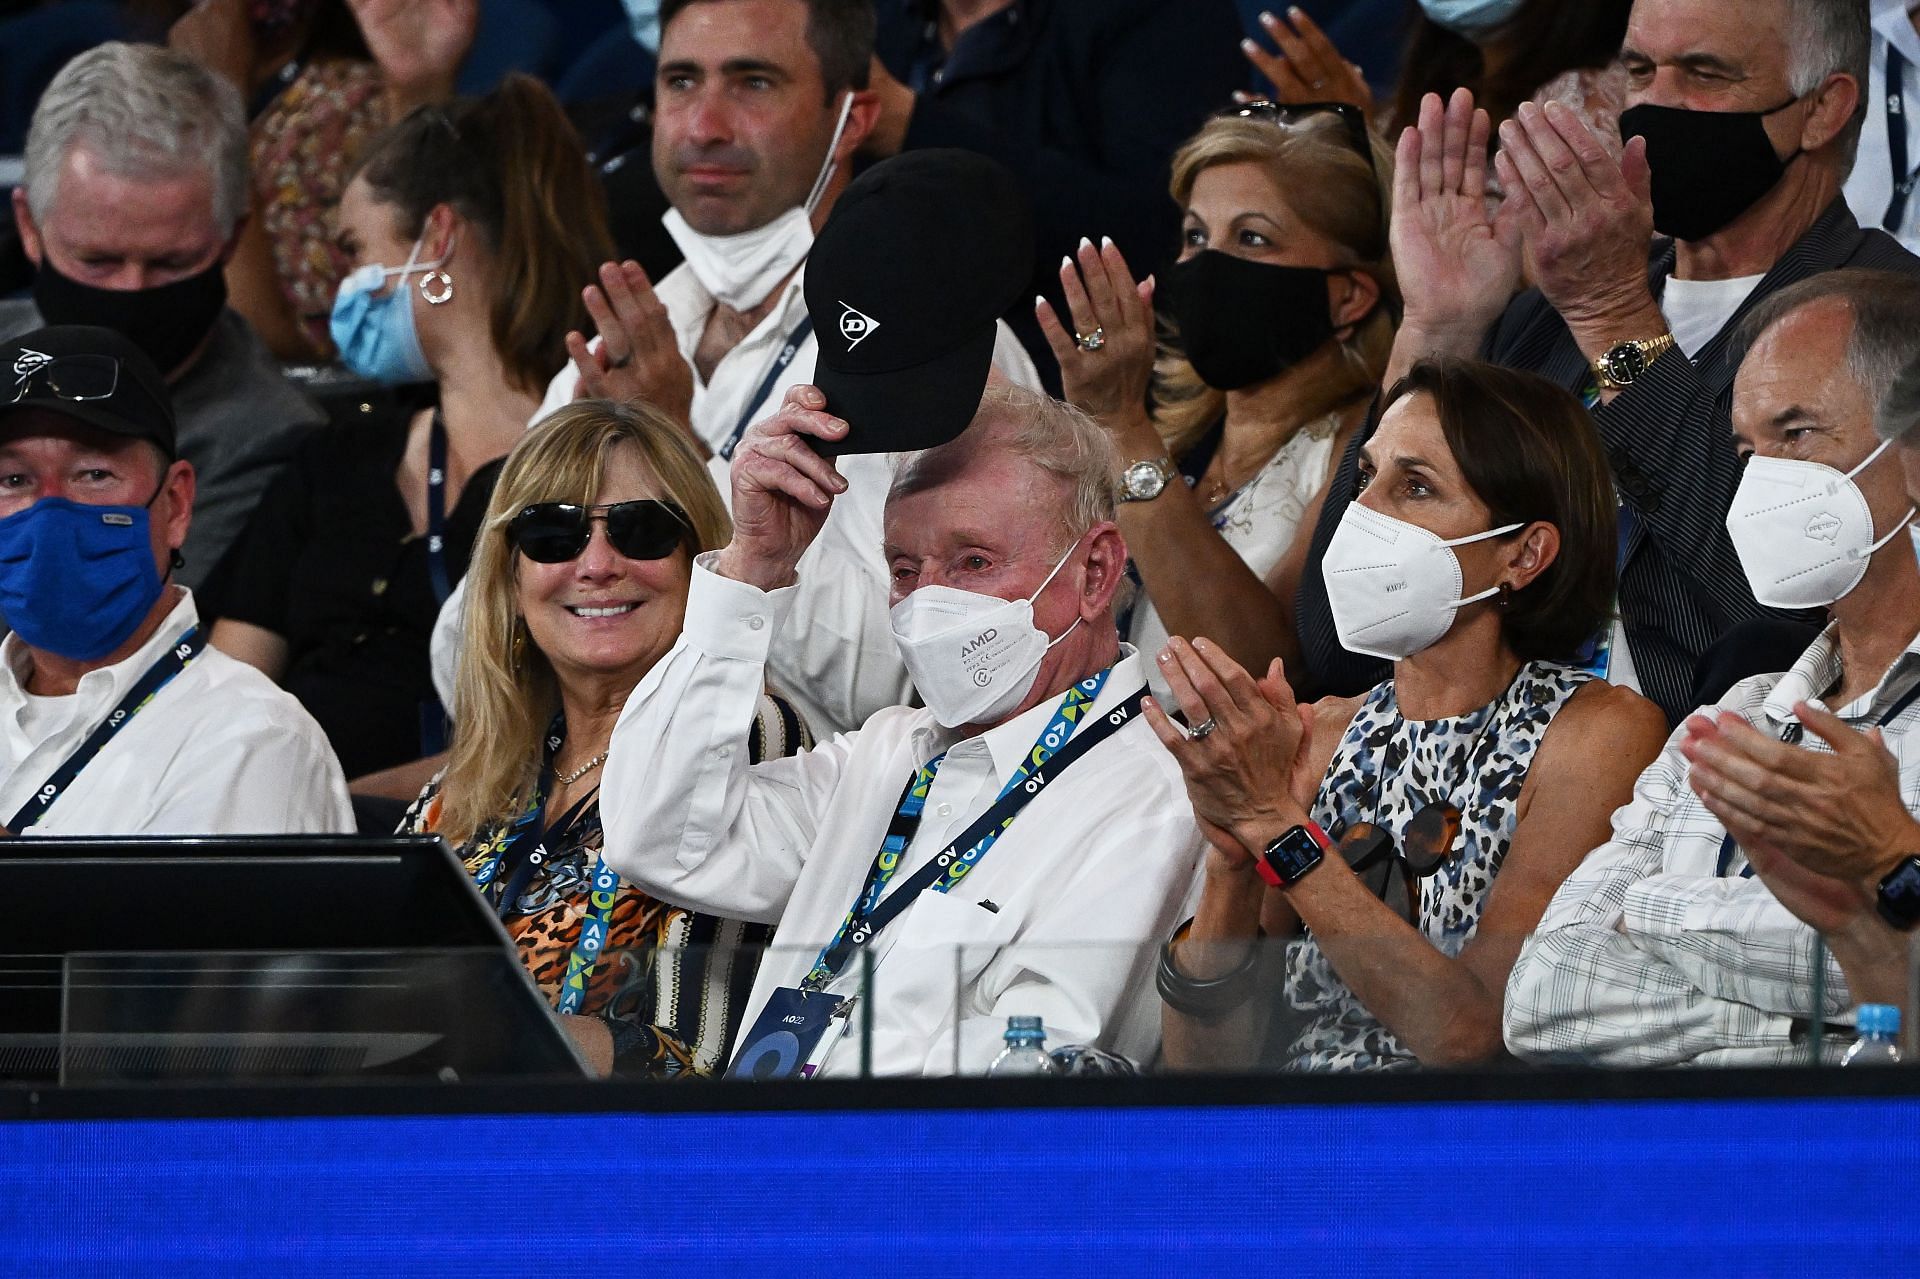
(1839, 815)
(1107, 361)
(1245, 757)
(782, 490)
(1308, 67)
(1586, 218)
(638, 358)
(1458, 264)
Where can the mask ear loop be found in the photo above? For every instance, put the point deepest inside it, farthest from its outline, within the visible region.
(1904, 521)
(828, 165)
(1491, 591)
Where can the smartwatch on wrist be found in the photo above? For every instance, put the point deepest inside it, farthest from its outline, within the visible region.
(1286, 859)
(1898, 898)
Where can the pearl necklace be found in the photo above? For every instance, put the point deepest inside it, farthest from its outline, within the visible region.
(568, 779)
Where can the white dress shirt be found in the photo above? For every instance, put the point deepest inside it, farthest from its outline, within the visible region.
(841, 665)
(219, 750)
(1087, 880)
(1652, 954)
(1870, 186)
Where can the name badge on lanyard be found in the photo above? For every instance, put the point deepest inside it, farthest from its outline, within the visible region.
(781, 1043)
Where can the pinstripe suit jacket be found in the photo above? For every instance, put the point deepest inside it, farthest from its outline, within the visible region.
(1669, 437)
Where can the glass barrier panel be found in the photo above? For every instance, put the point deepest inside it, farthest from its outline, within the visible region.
(445, 1015)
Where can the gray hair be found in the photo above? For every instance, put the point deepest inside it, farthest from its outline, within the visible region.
(1825, 37)
(1055, 437)
(145, 112)
(1886, 315)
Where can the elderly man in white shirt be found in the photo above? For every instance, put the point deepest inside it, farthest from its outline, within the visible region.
(1042, 838)
(115, 718)
(1669, 945)
(760, 106)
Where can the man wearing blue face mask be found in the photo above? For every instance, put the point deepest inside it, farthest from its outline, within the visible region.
(115, 717)
(1788, 809)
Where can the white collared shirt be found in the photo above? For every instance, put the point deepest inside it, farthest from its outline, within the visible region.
(219, 750)
(841, 665)
(1869, 187)
(1652, 953)
(1083, 886)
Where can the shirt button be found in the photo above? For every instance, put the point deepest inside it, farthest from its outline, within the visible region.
(756, 623)
(721, 752)
(940, 77)
(945, 810)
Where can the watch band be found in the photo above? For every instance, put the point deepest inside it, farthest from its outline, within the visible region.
(1287, 859)
(1622, 364)
(1898, 896)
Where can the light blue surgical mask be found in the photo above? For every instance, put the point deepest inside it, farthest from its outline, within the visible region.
(1470, 18)
(373, 330)
(643, 19)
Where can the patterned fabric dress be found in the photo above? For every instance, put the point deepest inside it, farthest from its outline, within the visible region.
(1385, 770)
(671, 983)
(302, 148)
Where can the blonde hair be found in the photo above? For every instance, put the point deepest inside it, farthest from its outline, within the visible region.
(505, 691)
(1329, 186)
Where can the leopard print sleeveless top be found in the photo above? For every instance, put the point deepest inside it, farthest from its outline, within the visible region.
(1385, 770)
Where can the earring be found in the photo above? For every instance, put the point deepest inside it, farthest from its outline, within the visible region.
(518, 652)
(1506, 596)
(436, 286)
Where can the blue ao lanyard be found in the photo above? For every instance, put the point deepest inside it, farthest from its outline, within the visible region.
(1903, 178)
(869, 915)
(788, 350)
(157, 676)
(522, 850)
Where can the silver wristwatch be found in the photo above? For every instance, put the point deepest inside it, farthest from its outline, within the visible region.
(1143, 481)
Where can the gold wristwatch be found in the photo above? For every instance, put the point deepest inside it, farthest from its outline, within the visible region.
(1622, 363)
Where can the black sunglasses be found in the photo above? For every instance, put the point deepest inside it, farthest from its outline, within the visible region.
(1289, 113)
(555, 532)
(68, 377)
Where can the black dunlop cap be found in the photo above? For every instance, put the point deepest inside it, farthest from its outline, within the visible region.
(93, 375)
(919, 259)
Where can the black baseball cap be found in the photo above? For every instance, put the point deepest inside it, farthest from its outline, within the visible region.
(92, 375)
(921, 256)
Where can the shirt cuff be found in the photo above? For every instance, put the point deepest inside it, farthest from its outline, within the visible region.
(732, 619)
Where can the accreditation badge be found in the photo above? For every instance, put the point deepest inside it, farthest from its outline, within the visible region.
(782, 1038)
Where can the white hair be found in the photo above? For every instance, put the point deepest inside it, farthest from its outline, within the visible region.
(1055, 437)
(1825, 37)
(144, 112)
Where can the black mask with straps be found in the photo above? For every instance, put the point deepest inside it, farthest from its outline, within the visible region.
(1708, 167)
(1242, 322)
(167, 321)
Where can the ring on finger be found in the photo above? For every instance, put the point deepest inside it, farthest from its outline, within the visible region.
(1092, 341)
(622, 362)
(1202, 730)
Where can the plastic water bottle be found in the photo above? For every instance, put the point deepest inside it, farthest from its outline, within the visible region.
(1026, 1050)
(1879, 1026)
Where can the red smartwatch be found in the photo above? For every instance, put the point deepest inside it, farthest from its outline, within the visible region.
(1291, 856)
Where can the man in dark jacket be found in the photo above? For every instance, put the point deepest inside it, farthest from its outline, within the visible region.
(1742, 123)
(1085, 100)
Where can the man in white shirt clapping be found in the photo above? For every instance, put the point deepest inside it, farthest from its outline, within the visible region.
(115, 718)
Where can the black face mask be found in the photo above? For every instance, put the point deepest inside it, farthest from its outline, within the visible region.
(168, 322)
(1243, 322)
(1709, 167)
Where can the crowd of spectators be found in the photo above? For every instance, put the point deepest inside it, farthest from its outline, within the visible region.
(1460, 489)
